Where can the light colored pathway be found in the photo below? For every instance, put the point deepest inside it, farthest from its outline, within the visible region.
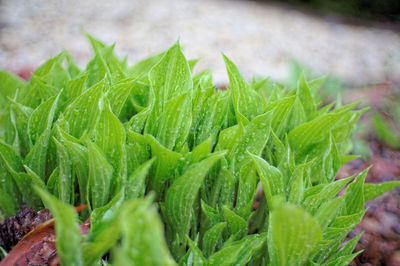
(260, 38)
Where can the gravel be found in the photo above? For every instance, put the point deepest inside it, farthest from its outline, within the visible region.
(260, 38)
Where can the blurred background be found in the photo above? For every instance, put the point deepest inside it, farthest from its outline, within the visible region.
(356, 42)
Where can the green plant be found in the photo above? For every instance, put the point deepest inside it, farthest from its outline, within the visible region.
(170, 166)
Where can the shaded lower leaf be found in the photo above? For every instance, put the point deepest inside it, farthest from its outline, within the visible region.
(293, 233)
(67, 230)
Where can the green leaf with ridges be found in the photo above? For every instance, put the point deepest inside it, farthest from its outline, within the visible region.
(182, 193)
(316, 130)
(372, 191)
(211, 118)
(137, 150)
(229, 139)
(142, 68)
(328, 211)
(75, 87)
(7, 205)
(238, 252)
(110, 138)
(118, 95)
(256, 134)
(293, 233)
(175, 122)
(10, 163)
(84, 112)
(355, 194)
(36, 158)
(246, 101)
(211, 238)
(271, 178)
(303, 92)
(104, 230)
(142, 236)
(100, 175)
(196, 257)
(9, 84)
(169, 79)
(164, 166)
(67, 230)
(236, 224)
(328, 191)
(136, 183)
(66, 180)
(248, 181)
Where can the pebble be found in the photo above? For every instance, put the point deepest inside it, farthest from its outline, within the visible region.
(261, 38)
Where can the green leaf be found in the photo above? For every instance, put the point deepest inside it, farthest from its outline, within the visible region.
(195, 255)
(271, 178)
(212, 237)
(371, 191)
(137, 150)
(229, 140)
(169, 79)
(384, 131)
(20, 114)
(7, 205)
(104, 230)
(246, 101)
(171, 76)
(254, 140)
(9, 84)
(313, 200)
(66, 180)
(303, 92)
(211, 216)
(37, 91)
(118, 95)
(142, 68)
(100, 175)
(201, 150)
(328, 211)
(280, 115)
(36, 158)
(80, 164)
(181, 195)
(175, 123)
(76, 87)
(97, 68)
(236, 224)
(246, 190)
(344, 256)
(297, 184)
(355, 194)
(303, 136)
(142, 236)
(110, 138)
(164, 166)
(84, 112)
(136, 183)
(210, 118)
(238, 252)
(291, 240)
(67, 230)
(10, 164)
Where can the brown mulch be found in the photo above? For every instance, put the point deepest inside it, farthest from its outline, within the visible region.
(381, 223)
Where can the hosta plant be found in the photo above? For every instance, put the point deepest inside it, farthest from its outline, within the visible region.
(169, 166)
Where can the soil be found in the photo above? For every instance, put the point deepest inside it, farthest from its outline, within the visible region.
(381, 223)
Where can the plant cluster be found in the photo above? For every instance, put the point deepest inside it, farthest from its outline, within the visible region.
(169, 165)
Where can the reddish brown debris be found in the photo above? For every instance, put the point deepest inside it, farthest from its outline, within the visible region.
(16, 227)
(37, 247)
(381, 223)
